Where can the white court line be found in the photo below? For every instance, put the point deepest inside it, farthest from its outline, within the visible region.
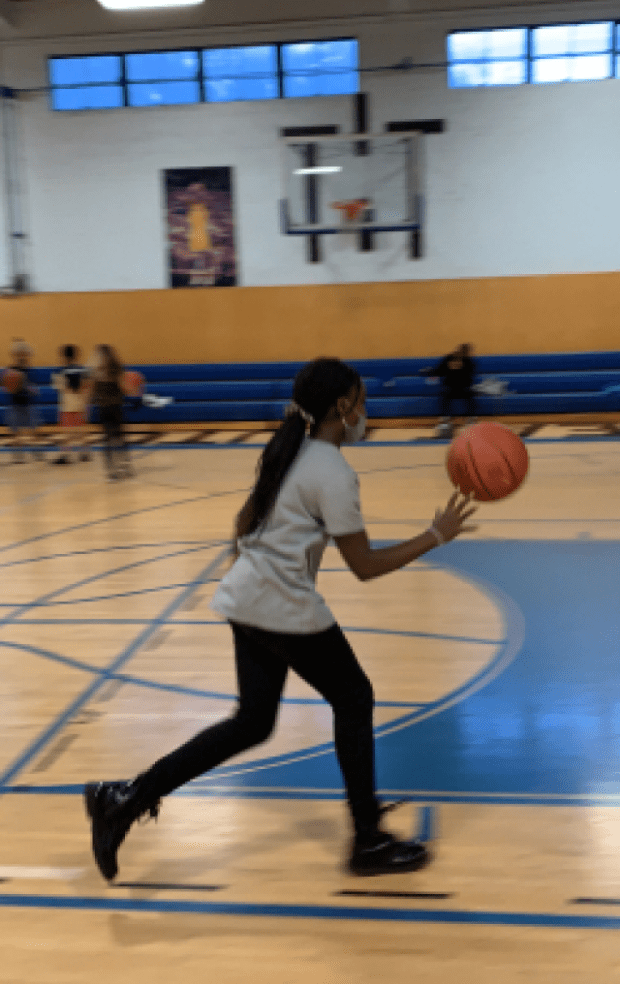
(41, 874)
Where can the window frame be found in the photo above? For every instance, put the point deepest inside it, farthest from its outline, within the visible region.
(284, 73)
(232, 47)
(85, 85)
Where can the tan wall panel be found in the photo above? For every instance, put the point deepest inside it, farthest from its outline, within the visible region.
(575, 312)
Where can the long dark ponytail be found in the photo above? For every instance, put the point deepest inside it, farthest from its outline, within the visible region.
(316, 389)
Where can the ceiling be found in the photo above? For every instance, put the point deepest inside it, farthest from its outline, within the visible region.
(62, 18)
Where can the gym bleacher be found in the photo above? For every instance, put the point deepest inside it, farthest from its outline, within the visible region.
(547, 384)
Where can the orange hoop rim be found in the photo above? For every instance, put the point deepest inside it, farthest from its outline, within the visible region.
(351, 209)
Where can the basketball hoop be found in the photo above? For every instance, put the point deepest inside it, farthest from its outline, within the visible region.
(350, 211)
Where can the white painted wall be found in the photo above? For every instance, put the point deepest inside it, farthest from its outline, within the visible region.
(523, 181)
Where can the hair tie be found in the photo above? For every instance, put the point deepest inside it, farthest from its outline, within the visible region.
(294, 407)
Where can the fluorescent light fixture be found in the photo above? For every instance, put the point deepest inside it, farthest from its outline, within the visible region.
(146, 4)
(317, 170)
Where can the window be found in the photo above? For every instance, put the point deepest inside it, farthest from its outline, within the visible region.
(320, 68)
(478, 58)
(163, 78)
(159, 78)
(572, 52)
(550, 53)
(241, 73)
(90, 82)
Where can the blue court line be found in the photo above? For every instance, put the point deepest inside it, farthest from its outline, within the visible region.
(62, 719)
(405, 633)
(117, 594)
(174, 688)
(335, 912)
(201, 789)
(43, 600)
(96, 550)
(428, 825)
(117, 516)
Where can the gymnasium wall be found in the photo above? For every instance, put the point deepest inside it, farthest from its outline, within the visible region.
(522, 210)
(499, 315)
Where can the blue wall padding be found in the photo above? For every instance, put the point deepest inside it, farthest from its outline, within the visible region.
(567, 382)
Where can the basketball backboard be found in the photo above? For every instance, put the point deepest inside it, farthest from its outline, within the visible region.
(323, 173)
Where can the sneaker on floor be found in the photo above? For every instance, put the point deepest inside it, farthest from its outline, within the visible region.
(385, 855)
(112, 808)
(84, 456)
(62, 459)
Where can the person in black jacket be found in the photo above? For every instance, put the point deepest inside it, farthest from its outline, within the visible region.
(456, 373)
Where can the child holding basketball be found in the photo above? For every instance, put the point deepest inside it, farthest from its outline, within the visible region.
(72, 386)
(304, 494)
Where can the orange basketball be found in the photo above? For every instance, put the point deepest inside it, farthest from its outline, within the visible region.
(487, 460)
(12, 380)
(133, 383)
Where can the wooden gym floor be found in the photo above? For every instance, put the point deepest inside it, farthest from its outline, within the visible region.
(495, 664)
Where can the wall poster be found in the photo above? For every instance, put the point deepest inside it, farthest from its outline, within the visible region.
(201, 231)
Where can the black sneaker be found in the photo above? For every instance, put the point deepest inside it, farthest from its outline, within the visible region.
(385, 855)
(84, 456)
(112, 808)
(62, 459)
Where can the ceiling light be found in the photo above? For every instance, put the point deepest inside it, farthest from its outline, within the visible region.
(317, 170)
(146, 4)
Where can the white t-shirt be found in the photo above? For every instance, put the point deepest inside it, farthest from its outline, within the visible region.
(271, 585)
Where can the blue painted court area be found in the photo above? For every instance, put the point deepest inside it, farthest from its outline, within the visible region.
(544, 721)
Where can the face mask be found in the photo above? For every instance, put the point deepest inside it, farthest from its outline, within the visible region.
(355, 433)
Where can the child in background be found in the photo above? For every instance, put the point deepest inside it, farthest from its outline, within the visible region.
(22, 416)
(108, 397)
(73, 388)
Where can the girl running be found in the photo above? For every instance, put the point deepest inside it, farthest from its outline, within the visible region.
(305, 493)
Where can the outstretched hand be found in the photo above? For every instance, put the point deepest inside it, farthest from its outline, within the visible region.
(451, 521)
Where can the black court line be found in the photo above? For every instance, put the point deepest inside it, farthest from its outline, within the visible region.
(586, 901)
(157, 640)
(204, 434)
(243, 436)
(193, 438)
(151, 437)
(169, 886)
(110, 691)
(54, 753)
(192, 603)
(367, 894)
(248, 435)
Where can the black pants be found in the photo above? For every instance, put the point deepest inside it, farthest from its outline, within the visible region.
(449, 396)
(326, 661)
(114, 446)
